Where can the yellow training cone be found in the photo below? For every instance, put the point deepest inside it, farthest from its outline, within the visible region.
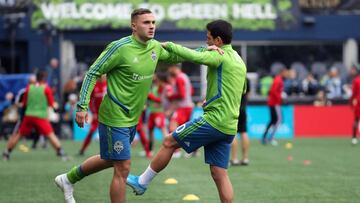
(191, 197)
(288, 145)
(23, 148)
(171, 181)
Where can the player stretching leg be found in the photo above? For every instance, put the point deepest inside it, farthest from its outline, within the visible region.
(217, 128)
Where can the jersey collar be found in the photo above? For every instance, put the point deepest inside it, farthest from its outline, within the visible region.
(137, 42)
(226, 46)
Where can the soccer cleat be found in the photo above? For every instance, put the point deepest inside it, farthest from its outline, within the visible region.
(244, 162)
(234, 163)
(63, 183)
(133, 182)
(354, 141)
(66, 158)
(274, 143)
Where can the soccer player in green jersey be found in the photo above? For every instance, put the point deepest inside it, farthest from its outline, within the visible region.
(216, 129)
(129, 64)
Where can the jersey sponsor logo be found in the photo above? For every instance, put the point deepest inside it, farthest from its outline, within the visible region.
(153, 55)
(187, 144)
(180, 128)
(118, 146)
(136, 76)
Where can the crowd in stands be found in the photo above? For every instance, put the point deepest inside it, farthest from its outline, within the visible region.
(321, 82)
(318, 81)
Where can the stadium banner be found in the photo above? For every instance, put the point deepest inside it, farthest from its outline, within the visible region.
(176, 14)
(326, 121)
(259, 116)
(12, 83)
(298, 121)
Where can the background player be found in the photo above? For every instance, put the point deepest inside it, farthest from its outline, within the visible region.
(140, 129)
(182, 98)
(95, 100)
(243, 134)
(36, 99)
(156, 110)
(355, 101)
(274, 103)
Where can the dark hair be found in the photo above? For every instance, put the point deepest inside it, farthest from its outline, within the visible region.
(41, 76)
(222, 29)
(162, 76)
(139, 11)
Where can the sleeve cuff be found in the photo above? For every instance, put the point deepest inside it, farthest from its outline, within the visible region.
(80, 108)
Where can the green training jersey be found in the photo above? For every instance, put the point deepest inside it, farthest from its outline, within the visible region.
(154, 106)
(129, 65)
(37, 103)
(225, 84)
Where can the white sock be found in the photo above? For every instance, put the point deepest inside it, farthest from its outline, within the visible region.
(67, 181)
(147, 176)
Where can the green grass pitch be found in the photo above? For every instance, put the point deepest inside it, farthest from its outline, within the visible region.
(332, 177)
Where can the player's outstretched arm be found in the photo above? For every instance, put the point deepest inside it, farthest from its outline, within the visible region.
(169, 57)
(209, 58)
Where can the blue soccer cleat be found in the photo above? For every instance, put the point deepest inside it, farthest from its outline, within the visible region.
(133, 182)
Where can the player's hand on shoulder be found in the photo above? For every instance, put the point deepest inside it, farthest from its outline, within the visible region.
(81, 118)
(215, 48)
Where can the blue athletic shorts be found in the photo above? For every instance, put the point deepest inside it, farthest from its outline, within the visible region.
(115, 143)
(198, 133)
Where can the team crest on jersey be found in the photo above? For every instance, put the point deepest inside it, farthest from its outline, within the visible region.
(153, 55)
(118, 146)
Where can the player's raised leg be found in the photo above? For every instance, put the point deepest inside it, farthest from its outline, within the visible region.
(159, 162)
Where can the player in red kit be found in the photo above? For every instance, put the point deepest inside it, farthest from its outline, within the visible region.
(157, 115)
(182, 97)
(95, 101)
(355, 101)
(37, 98)
(274, 103)
(140, 129)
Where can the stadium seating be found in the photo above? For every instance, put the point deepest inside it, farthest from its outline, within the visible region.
(300, 69)
(318, 69)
